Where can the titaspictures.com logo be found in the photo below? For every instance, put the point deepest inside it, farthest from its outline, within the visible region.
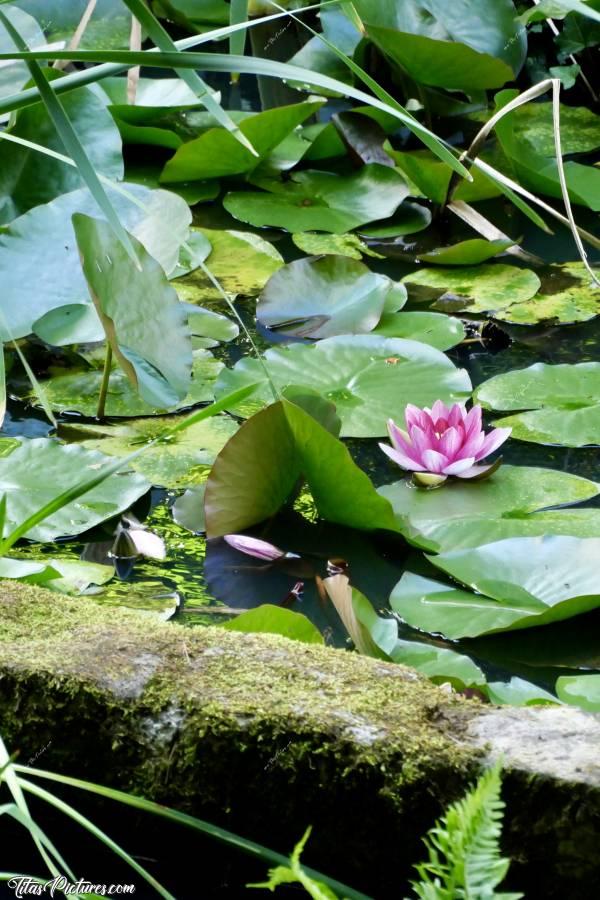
(24, 886)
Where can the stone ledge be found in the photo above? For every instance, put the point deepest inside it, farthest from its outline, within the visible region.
(263, 735)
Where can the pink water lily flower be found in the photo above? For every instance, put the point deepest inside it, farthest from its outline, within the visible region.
(255, 547)
(440, 442)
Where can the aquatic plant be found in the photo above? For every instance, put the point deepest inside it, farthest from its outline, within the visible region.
(441, 442)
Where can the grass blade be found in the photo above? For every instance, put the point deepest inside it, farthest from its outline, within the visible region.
(70, 139)
(238, 13)
(163, 41)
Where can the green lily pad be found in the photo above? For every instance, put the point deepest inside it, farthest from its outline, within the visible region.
(518, 692)
(62, 467)
(241, 262)
(269, 619)
(322, 201)
(29, 178)
(506, 499)
(183, 460)
(408, 219)
(519, 583)
(258, 469)
(436, 329)
(465, 253)
(448, 45)
(563, 401)
(188, 509)
(218, 153)
(579, 128)
(78, 391)
(580, 690)
(567, 295)
(323, 296)
(212, 327)
(108, 28)
(369, 378)
(338, 244)
(487, 288)
(69, 576)
(154, 349)
(159, 219)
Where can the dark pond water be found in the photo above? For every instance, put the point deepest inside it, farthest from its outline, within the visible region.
(199, 578)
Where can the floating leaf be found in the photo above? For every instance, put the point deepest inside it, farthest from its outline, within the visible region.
(257, 471)
(61, 465)
(211, 326)
(369, 378)
(580, 690)
(218, 152)
(461, 45)
(563, 399)
(518, 692)
(241, 262)
(322, 201)
(436, 329)
(158, 219)
(182, 460)
(567, 295)
(320, 297)
(188, 509)
(78, 391)
(408, 219)
(465, 253)
(108, 28)
(269, 619)
(486, 288)
(159, 369)
(28, 178)
(506, 499)
(579, 128)
(338, 244)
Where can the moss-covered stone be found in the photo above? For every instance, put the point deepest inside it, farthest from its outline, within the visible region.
(254, 732)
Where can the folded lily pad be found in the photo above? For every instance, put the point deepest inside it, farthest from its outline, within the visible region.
(436, 329)
(241, 262)
(339, 244)
(62, 467)
(323, 296)
(563, 403)
(487, 288)
(468, 511)
(465, 253)
(518, 583)
(183, 460)
(322, 201)
(78, 391)
(369, 378)
(159, 219)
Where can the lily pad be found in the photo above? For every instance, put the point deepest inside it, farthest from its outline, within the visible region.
(448, 45)
(212, 327)
(580, 690)
(322, 201)
(408, 219)
(183, 460)
(487, 288)
(349, 245)
(369, 378)
(241, 262)
(15, 75)
(158, 219)
(323, 296)
(108, 28)
(269, 619)
(507, 498)
(436, 329)
(563, 401)
(518, 692)
(188, 509)
(465, 253)
(567, 295)
(29, 178)
(159, 369)
(257, 471)
(431, 178)
(579, 128)
(62, 466)
(217, 152)
(519, 583)
(78, 391)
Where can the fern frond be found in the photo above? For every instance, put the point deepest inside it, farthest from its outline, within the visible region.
(464, 848)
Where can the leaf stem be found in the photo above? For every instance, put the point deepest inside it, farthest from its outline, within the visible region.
(105, 380)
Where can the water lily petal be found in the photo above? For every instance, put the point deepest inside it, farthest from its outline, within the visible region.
(459, 466)
(439, 410)
(147, 544)
(415, 416)
(450, 442)
(457, 415)
(422, 441)
(475, 471)
(401, 459)
(472, 421)
(472, 445)
(254, 546)
(493, 440)
(435, 462)
(398, 437)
